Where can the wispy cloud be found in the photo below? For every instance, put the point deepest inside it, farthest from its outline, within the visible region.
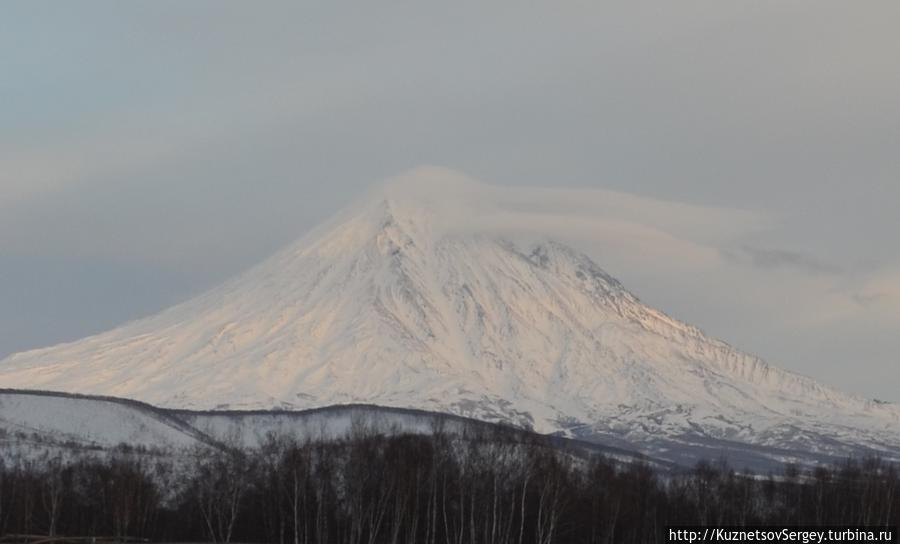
(769, 258)
(881, 293)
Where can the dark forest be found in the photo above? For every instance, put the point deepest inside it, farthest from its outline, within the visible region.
(434, 489)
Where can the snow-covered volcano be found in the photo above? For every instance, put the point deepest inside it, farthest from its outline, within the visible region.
(385, 305)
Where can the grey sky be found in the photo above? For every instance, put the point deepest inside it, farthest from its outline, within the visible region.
(151, 149)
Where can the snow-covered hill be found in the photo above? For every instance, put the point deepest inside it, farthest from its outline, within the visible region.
(42, 425)
(389, 304)
(36, 422)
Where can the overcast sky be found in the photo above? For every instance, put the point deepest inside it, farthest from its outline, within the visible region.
(736, 164)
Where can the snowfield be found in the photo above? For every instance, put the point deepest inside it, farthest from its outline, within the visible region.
(386, 305)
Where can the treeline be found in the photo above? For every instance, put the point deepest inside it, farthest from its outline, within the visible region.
(434, 489)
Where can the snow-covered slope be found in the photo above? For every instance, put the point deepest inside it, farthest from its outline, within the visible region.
(39, 426)
(388, 305)
(41, 420)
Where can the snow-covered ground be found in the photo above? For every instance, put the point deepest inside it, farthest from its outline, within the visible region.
(389, 305)
(46, 425)
(38, 425)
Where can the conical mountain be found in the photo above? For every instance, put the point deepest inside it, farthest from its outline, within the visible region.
(386, 305)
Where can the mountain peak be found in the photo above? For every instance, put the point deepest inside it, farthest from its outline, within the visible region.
(431, 195)
(392, 304)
